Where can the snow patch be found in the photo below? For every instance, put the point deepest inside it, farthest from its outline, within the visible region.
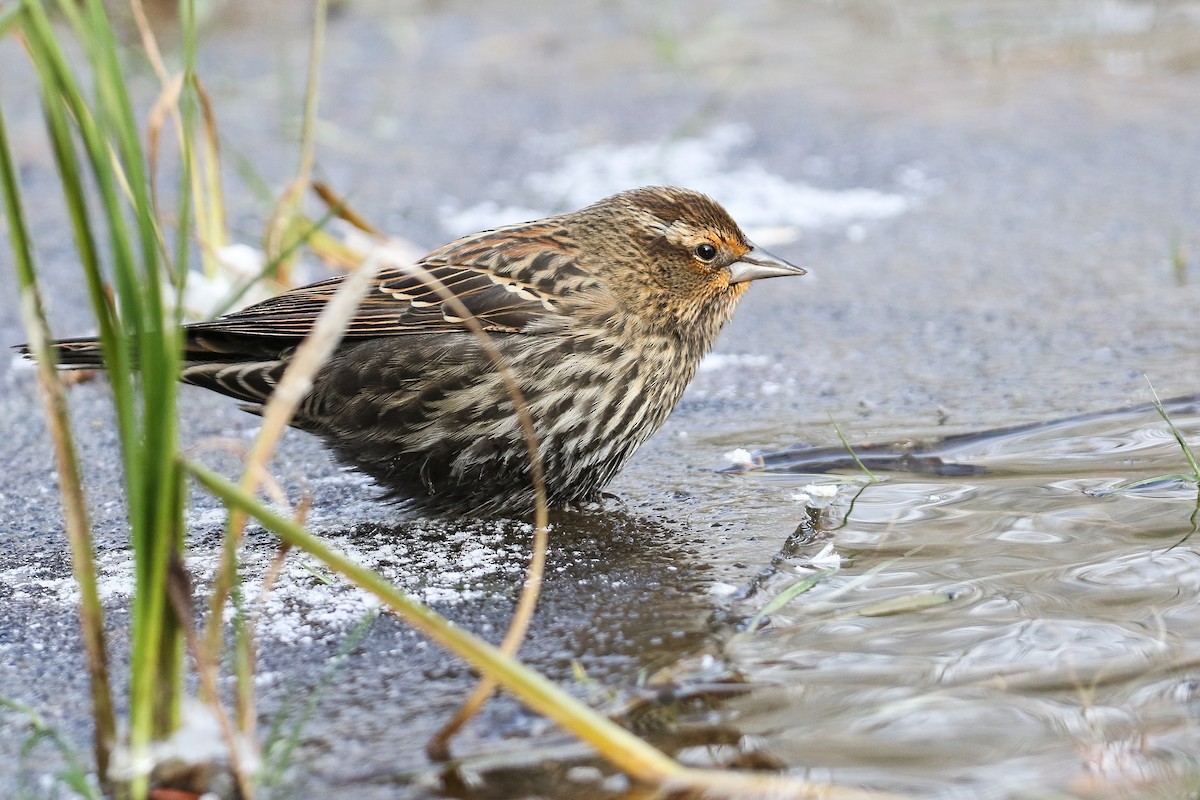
(717, 361)
(434, 562)
(771, 208)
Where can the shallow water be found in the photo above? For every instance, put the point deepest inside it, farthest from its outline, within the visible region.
(1022, 630)
(1002, 634)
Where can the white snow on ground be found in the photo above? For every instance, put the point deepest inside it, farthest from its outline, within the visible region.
(740, 457)
(717, 361)
(238, 266)
(771, 208)
(435, 563)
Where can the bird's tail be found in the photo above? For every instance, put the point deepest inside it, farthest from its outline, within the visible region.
(240, 367)
(72, 353)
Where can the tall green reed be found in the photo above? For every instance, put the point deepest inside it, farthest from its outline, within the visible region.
(135, 279)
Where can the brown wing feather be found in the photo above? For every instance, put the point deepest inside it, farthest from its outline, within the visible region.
(506, 282)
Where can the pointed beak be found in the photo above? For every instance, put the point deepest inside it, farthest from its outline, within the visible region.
(757, 264)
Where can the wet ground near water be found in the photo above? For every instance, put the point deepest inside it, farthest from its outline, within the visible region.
(998, 203)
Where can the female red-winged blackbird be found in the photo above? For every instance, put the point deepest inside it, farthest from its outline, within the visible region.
(602, 314)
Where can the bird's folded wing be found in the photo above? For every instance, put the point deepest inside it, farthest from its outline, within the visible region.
(487, 277)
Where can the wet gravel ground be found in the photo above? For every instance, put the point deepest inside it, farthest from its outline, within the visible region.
(1044, 264)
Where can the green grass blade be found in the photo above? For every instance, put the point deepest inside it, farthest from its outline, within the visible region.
(280, 748)
(850, 450)
(140, 321)
(10, 19)
(786, 596)
(74, 775)
(77, 525)
(625, 750)
(1188, 455)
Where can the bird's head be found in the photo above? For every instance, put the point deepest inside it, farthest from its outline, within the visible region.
(676, 253)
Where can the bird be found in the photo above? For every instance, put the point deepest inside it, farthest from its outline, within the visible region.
(602, 315)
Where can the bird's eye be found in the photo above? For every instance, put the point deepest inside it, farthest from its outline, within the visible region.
(706, 252)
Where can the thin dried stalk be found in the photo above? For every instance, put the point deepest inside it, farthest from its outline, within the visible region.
(438, 747)
(208, 203)
(338, 205)
(293, 387)
(179, 591)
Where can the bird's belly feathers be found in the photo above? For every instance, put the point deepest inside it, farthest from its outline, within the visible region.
(459, 444)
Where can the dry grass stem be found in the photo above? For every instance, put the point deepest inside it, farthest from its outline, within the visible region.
(337, 204)
(438, 746)
(293, 387)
